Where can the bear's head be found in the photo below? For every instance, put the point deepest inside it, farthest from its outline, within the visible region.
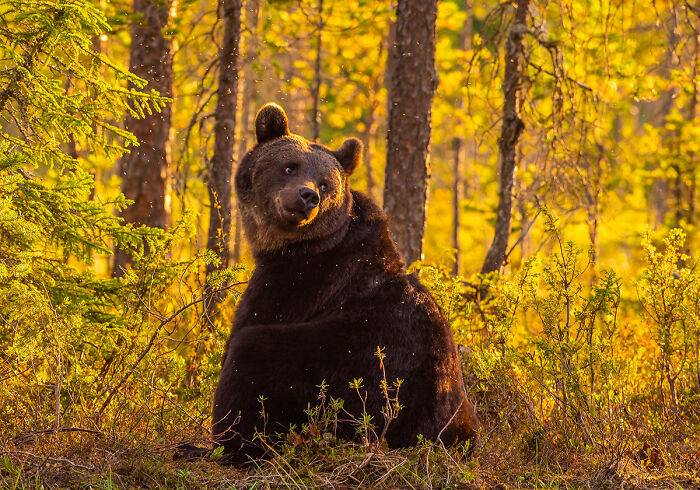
(290, 189)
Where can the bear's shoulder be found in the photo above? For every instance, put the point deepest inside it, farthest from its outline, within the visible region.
(370, 232)
(365, 209)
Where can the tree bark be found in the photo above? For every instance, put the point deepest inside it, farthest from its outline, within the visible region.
(391, 60)
(687, 179)
(661, 188)
(248, 90)
(511, 128)
(316, 88)
(413, 84)
(367, 138)
(144, 170)
(458, 153)
(692, 110)
(369, 134)
(592, 191)
(220, 168)
(220, 174)
(692, 116)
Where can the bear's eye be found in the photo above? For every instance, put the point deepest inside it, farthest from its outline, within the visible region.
(290, 169)
(323, 187)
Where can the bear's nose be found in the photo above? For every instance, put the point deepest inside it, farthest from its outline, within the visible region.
(309, 197)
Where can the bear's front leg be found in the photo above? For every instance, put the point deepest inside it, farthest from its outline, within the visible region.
(267, 380)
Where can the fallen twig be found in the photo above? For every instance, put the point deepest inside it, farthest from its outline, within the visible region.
(28, 436)
(51, 459)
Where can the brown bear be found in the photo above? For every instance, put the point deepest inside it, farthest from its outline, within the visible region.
(329, 287)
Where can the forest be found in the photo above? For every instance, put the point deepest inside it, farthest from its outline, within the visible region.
(538, 160)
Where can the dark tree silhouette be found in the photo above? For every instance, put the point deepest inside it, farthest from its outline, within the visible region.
(250, 53)
(413, 83)
(511, 128)
(458, 152)
(316, 86)
(220, 167)
(144, 170)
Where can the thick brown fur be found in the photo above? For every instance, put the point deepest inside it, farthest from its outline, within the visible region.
(327, 290)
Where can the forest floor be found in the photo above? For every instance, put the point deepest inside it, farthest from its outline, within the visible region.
(87, 460)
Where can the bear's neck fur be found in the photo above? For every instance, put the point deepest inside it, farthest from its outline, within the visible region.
(370, 232)
(267, 244)
(305, 279)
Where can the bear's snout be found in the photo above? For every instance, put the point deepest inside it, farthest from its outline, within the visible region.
(309, 198)
(298, 205)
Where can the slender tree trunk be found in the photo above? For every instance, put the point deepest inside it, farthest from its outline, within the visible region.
(391, 61)
(220, 173)
(683, 186)
(693, 162)
(697, 362)
(458, 153)
(669, 63)
(671, 384)
(248, 90)
(144, 170)
(367, 137)
(511, 129)
(524, 220)
(413, 84)
(521, 205)
(686, 177)
(220, 169)
(692, 116)
(296, 102)
(678, 195)
(659, 195)
(316, 89)
(593, 191)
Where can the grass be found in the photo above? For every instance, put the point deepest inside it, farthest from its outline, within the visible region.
(512, 453)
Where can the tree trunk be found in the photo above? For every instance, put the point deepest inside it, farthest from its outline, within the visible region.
(413, 84)
(458, 153)
(220, 173)
(368, 143)
(316, 89)
(692, 116)
(144, 170)
(220, 169)
(369, 134)
(685, 214)
(391, 60)
(511, 128)
(521, 205)
(592, 193)
(661, 190)
(677, 195)
(697, 362)
(248, 90)
(683, 191)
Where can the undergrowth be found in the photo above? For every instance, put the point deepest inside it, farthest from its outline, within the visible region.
(577, 383)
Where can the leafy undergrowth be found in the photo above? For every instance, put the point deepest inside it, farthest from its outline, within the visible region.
(577, 385)
(82, 460)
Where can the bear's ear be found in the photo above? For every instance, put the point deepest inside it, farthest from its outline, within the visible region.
(271, 122)
(349, 154)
